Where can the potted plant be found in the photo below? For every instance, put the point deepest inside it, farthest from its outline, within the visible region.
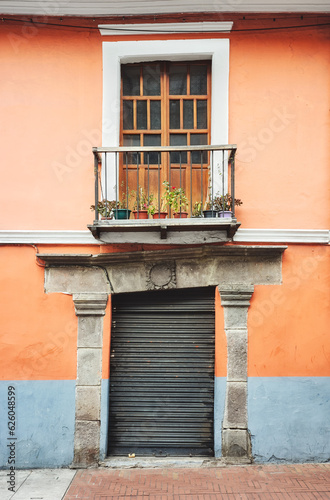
(197, 209)
(142, 203)
(176, 200)
(224, 204)
(158, 212)
(105, 208)
(122, 211)
(210, 209)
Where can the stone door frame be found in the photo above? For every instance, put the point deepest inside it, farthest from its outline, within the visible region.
(90, 279)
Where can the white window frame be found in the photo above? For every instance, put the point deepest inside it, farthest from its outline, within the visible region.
(117, 53)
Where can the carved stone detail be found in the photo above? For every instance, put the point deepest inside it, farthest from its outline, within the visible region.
(90, 304)
(161, 276)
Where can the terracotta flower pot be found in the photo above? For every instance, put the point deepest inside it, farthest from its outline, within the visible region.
(160, 215)
(142, 214)
(180, 215)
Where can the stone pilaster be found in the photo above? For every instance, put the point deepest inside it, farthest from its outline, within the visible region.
(235, 437)
(90, 309)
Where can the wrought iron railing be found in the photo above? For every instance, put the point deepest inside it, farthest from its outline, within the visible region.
(183, 180)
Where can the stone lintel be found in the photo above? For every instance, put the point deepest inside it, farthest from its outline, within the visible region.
(75, 279)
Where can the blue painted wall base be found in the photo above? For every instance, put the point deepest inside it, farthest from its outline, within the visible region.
(45, 419)
(289, 418)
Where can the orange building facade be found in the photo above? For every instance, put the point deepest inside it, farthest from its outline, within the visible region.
(266, 282)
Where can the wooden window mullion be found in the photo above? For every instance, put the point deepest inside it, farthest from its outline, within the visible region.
(148, 114)
(134, 114)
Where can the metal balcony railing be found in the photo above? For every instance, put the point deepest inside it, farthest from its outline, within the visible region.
(183, 181)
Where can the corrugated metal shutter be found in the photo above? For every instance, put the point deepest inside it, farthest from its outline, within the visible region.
(162, 373)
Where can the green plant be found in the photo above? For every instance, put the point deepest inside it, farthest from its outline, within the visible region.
(142, 199)
(175, 197)
(124, 200)
(225, 202)
(106, 207)
(208, 205)
(153, 208)
(197, 209)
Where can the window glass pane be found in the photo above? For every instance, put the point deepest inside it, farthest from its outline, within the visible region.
(151, 140)
(155, 115)
(174, 113)
(178, 79)
(131, 140)
(141, 121)
(198, 79)
(198, 140)
(201, 114)
(131, 80)
(178, 140)
(128, 115)
(151, 79)
(188, 114)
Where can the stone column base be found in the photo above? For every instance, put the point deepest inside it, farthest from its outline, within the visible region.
(236, 445)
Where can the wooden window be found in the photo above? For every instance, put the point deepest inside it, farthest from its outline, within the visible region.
(165, 104)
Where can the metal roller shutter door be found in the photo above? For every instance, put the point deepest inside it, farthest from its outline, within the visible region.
(162, 373)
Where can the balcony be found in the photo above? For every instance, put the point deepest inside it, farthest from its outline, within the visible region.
(164, 195)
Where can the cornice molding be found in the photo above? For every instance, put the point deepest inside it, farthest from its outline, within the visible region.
(67, 237)
(283, 236)
(157, 28)
(229, 252)
(142, 7)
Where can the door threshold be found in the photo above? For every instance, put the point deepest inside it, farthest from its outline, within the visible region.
(161, 462)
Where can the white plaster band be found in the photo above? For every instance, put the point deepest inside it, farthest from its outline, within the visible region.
(30, 237)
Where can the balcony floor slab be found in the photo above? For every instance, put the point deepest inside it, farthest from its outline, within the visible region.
(165, 231)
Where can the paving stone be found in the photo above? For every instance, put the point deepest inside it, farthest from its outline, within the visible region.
(252, 482)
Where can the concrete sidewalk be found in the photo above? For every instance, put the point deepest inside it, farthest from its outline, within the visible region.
(36, 484)
(223, 482)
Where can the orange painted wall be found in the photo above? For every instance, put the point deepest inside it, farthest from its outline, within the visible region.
(288, 324)
(51, 116)
(278, 116)
(51, 109)
(38, 331)
(51, 100)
